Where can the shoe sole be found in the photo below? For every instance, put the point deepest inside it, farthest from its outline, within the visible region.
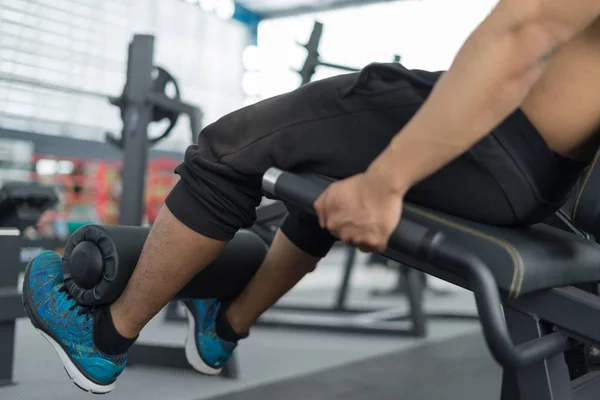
(76, 376)
(73, 372)
(191, 349)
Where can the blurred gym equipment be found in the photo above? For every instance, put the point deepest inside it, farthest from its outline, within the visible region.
(524, 281)
(145, 99)
(313, 59)
(21, 205)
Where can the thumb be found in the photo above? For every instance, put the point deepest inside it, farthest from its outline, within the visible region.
(319, 206)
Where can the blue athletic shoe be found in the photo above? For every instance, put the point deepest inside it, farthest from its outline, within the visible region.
(206, 352)
(67, 326)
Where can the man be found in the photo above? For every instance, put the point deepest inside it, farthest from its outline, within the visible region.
(501, 139)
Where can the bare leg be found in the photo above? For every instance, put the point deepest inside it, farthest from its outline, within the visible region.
(564, 104)
(284, 266)
(173, 254)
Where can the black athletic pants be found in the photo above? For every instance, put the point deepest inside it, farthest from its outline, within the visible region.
(337, 127)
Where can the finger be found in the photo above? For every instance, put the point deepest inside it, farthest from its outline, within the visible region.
(345, 236)
(365, 249)
(369, 243)
(376, 244)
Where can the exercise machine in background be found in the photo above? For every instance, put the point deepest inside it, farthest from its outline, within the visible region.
(145, 100)
(313, 58)
(21, 205)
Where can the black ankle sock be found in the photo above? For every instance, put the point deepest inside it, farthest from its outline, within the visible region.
(224, 329)
(106, 337)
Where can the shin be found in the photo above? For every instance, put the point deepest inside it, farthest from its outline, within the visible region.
(284, 266)
(172, 255)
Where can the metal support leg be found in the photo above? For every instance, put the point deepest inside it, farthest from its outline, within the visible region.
(11, 306)
(414, 291)
(136, 117)
(7, 348)
(340, 303)
(232, 369)
(548, 380)
(172, 312)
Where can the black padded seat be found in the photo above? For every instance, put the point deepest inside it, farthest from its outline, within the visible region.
(522, 260)
(586, 212)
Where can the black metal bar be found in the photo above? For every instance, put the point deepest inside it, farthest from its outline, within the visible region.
(510, 385)
(194, 113)
(338, 66)
(490, 314)
(159, 99)
(569, 308)
(11, 306)
(7, 349)
(342, 293)
(136, 117)
(313, 58)
(547, 379)
(414, 291)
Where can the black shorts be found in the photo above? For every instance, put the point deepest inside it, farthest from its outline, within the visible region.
(337, 127)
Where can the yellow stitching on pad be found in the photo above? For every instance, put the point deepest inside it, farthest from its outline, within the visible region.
(584, 184)
(518, 272)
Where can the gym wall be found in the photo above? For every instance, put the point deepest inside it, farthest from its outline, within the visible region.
(83, 45)
(427, 34)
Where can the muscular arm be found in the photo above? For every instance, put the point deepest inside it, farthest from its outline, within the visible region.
(489, 78)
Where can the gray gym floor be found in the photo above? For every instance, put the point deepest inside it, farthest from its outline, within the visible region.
(268, 356)
(460, 368)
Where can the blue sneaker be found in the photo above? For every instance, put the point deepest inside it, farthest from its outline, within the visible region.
(67, 326)
(206, 352)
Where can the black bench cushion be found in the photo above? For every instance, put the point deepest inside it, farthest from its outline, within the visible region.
(586, 212)
(523, 260)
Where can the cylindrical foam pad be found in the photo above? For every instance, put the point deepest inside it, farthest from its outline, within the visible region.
(99, 260)
(229, 274)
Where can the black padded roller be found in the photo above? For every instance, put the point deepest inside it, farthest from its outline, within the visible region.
(229, 274)
(99, 260)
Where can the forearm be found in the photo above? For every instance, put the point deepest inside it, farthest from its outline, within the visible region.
(490, 76)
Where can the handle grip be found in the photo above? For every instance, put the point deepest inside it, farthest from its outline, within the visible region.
(303, 190)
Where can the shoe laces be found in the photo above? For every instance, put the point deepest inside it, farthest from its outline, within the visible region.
(82, 310)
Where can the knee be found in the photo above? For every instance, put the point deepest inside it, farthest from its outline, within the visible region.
(304, 232)
(212, 198)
